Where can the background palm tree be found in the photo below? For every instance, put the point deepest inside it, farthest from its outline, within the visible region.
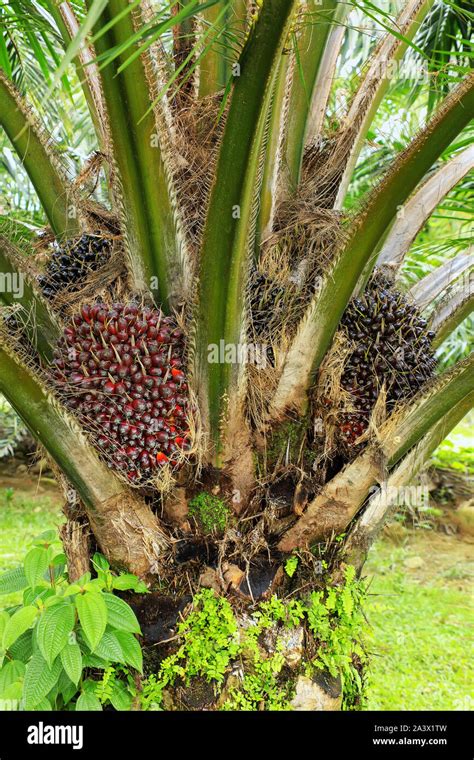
(222, 198)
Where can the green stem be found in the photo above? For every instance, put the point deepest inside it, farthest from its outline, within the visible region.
(59, 435)
(154, 248)
(311, 42)
(226, 18)
(229, 232)
(271, 150)
(451, 313)
(37, 158)
(37, 320)
(375, 84)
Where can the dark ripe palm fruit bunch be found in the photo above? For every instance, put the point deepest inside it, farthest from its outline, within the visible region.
(266, 303)
(391, 346)
(120, 369)
(72, 262)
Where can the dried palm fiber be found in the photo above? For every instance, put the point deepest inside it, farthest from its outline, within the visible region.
(288, 274)
(56, 158)
(199, 127)
(306, 234)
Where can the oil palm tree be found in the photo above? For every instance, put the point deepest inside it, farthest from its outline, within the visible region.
(288, 420)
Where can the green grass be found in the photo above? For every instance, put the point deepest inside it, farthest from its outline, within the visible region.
(421, 658)
(22, 517)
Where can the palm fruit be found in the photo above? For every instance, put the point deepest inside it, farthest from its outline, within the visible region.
(391, 346)
(71, 263)
(119, 368)
(266, 304)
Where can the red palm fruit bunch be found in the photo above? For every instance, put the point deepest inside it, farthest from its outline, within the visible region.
(391, 347)
(120, 369)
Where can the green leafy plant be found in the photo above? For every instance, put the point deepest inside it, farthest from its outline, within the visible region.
(209, 641)
(291, 565)
(12, 431)
(212, 642)
(53, 644)
(455, 455)
(336, 618)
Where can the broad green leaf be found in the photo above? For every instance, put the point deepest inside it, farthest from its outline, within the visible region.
(109, 648)
(94, 661)
(71, 659)
(53, 601)
(54, 627)
(22, 649)
(120, 615)
(31, 595)
(47, 537)
(43, 706)
(120, 698)
(68, 692)
(39, 680)
(13, 692)
(92, 615)
(83, 579)
(36, 564)
(95, 585)
(100, 562)
(4, 618)
(13, 580)
(89, 686)
(65, 687)
(88, 701)
(74, 588)
(18, 624)
(131, 649)
(127, 581)
(11, 672)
